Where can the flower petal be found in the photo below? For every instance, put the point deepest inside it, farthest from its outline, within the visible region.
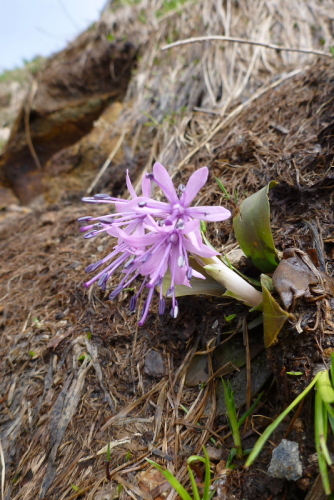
(209, 213)
(129, 186)
(146, 186)
(163, 179)
(190, 227)
(202, 251)
(144, 205)
(139, 241)
(157, 262)
(194, 184)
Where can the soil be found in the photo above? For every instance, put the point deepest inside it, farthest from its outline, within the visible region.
(76, 370)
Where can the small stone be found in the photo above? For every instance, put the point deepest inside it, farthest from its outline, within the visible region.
(154, 364)
(285, 462)
(214, 453)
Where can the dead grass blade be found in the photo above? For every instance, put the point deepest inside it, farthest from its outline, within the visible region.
(62, 414)
(247, 42)
(132, 488)
(107, 162)
(125, 411)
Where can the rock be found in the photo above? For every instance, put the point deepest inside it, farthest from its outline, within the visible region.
(285, 462)
(154, 364)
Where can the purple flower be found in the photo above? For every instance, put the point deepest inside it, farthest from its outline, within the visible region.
(154, 237)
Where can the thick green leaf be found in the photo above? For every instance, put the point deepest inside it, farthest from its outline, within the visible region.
(253, 232)
(274, 316)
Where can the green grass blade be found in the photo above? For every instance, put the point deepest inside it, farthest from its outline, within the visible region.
(250, 411)
(261, 441)
(207, 480)
(193, 484)
(175, 483)
(330, 417)
(324, 472)
(222, 187)
(320, 426)
(232, 416)
(318, 435)
(332, 368)
(230, 458)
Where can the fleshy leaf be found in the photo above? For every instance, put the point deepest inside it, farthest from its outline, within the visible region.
(274, 316)
(253, 232)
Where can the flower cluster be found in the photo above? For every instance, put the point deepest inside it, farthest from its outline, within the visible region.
(154, 237)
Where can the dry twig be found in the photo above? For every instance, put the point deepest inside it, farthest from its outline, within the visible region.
(217, 38)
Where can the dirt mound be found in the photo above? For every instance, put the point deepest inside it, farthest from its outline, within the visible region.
(64, 101)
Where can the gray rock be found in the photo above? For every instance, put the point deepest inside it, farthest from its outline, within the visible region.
(285, 462)
(154, 364)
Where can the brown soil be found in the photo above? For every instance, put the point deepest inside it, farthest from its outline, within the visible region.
(77, 372)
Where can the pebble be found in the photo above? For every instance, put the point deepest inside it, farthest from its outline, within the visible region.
(285, 462)
(154, 364)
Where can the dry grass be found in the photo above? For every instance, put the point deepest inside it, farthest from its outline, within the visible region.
(74, 368)
(169, 86)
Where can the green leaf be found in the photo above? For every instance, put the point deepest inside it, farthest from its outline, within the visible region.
(172, 480)
(274, 316)
(253, 232)
(203, 226)
(232, 416)
(250, 411)
(332, 368)
(223, 188)
(193, 484)
(230, 318)
(325, 388)
(207, 480)
(320, 435)
(108, 455)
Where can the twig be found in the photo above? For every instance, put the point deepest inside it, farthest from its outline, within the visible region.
(107, 162)
(220, 124)
(242, 40)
